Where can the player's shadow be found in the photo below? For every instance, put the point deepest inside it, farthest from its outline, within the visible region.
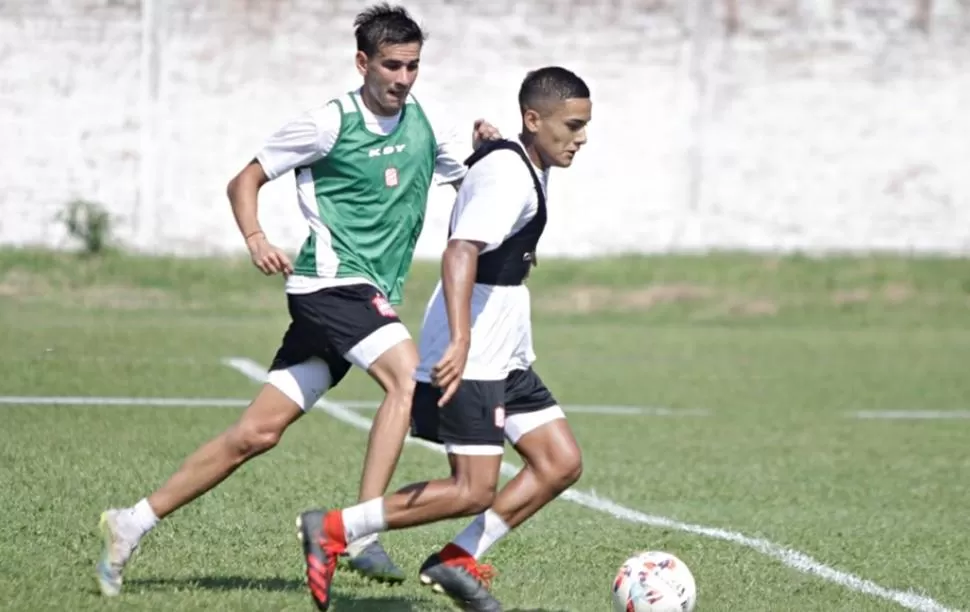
(372, 604)
(216, 583)
(242, 583)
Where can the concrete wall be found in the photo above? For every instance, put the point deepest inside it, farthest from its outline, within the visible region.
(821, 125)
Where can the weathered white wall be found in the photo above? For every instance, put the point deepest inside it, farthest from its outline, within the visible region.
(822, 125)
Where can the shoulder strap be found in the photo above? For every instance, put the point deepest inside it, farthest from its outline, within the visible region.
(490, 146)
(345, 103)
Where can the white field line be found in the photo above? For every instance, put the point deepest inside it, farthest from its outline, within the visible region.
(37, 400)
(792, 558)
(577, 409)
(194, 402)
(911, 415)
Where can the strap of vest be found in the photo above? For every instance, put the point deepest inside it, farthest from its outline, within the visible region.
(490, 146)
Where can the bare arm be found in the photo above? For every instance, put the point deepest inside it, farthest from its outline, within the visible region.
(482, 131)
(243, 192)
(459, 265)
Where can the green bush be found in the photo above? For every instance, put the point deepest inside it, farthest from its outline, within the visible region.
(89, 223)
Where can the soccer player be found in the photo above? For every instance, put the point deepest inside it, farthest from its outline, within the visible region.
(476, 384)
(364, 164)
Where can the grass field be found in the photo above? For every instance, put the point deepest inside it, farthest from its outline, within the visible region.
(778, 352)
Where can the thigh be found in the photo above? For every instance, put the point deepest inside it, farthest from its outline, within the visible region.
(472, 423)
(307, 339)
(304, 382)
(360, 323)
(274, 409)
(389, 355)
(529, 404)
(549, 447)
(526, 392)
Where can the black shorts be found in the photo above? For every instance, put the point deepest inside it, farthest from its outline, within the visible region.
(330, 322)
(476, 414)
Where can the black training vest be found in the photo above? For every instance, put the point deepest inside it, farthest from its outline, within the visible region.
(511, 262)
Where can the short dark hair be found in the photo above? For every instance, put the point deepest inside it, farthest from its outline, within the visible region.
(550, 84)
(383, 24)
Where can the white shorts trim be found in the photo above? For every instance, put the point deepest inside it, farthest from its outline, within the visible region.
(517, 425)
(369, 350)
(304, 383)
(475, 450)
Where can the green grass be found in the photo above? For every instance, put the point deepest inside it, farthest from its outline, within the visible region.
(777, 349)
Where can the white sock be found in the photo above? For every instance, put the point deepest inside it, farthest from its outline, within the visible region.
(357, 546)
(364, 519)
(139, 519)
(487, 529)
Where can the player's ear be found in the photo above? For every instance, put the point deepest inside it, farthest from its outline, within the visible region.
(360, 60)
(531, 120)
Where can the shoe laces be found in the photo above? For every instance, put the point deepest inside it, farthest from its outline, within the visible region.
(479, 571)
(483, 573)
(454, 556)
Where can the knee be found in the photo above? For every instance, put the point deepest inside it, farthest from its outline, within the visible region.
(563, 470)
(402, 386)
(248, 439)
(395, 373)
(472, 496)
(399, 393)
(474, 500)
(572, 470)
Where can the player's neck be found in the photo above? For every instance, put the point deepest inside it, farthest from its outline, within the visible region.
(372, 105)
(531, 152)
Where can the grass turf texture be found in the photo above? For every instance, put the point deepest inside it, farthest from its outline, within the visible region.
(778, 350)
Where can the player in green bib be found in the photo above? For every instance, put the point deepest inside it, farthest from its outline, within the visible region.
(368, 199)
(364, 163)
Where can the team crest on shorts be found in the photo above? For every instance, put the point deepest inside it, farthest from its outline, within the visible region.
(383, 306)
(500, 417)
(390, 177)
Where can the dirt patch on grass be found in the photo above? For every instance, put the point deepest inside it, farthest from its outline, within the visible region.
(120, 297)
(26, 287)
(851, 296)
(703, 302)
(758, 307)
(772, 264)
(736, 307)
(585, 299)
(892, 293)
(897, 293)
(18, 283)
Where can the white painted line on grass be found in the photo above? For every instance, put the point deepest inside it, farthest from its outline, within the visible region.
(911, 415)
(67, 400)
(577, 409)
(192, 402)
(792, 558)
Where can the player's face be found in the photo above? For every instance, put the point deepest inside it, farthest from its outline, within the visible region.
(389, 75)
(561, 131)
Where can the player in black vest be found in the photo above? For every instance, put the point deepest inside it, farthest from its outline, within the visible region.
(476, 386)
(510, 262)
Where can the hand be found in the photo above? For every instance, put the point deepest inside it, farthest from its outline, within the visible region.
(446, 374)
(267, 257)
(483, 130)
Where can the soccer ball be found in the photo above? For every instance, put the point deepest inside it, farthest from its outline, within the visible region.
(654, 581)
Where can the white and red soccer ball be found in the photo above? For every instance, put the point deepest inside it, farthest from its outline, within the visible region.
(654, 581)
